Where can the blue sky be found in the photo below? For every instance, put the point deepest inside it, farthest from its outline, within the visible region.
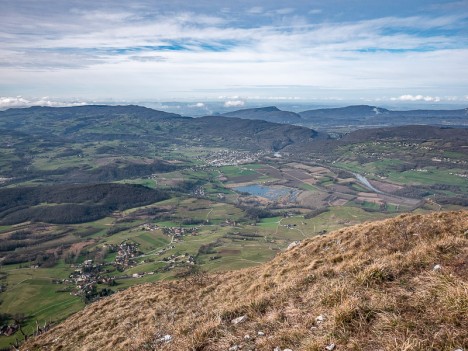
(376, 52)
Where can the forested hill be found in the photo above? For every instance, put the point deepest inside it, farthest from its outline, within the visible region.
(72, 203)
(270, 114)
(94, 123)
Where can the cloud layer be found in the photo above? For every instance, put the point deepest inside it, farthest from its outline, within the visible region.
(165, 50)
(19, 101)
(409, 97)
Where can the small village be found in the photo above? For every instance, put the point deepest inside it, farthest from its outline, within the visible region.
(89, 274)
(178, 232)
(230, 157)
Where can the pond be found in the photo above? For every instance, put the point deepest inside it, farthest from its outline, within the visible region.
(270, 192)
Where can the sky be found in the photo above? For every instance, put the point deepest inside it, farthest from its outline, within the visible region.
(56, 52)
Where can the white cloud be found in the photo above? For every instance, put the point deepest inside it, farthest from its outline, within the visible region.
(409, 97)
(147, 58)
(285, 11)
(19, 101)
(278, 98)
(198, 104)
(232, 97)
(234, 103)
(255, 10)
(315, 11)
(97, 15)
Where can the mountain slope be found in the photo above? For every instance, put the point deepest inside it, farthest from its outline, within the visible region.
(345, 112)
(409, 133)
(237, 132)
(366, 111)
(76, 117)
(364, 116)
(270, 114)
(130, 123)
(399, 284)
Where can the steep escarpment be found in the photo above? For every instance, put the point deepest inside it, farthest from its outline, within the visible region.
(398, 284)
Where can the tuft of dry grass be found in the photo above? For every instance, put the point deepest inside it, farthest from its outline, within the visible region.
(373, 286)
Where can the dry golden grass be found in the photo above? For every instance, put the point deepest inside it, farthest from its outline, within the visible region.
(374, 285)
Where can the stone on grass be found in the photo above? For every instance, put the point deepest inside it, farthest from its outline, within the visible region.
(165, 338)
(320, 319)
(293, 244)
(239, 319)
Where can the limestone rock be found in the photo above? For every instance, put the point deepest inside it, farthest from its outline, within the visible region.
(239, 319)
(165, 338)
(320, 319)
(293, 244)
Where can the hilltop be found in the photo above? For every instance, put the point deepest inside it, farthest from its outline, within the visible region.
(269, 113)
(398, 284)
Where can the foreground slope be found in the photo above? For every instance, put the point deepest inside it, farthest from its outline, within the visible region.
(398, 284)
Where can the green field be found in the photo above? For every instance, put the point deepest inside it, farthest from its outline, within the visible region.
(430, 176)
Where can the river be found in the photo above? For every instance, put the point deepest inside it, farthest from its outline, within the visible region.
(363, 180)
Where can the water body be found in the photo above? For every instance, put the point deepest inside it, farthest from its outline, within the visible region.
(363, 180)
(270, 192)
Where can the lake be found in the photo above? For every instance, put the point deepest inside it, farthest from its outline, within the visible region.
(270, 192)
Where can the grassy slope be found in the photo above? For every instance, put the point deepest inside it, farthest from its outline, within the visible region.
(374, 283)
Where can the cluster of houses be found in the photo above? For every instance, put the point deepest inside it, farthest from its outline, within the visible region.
(199, 192)
(230, 157)
(4, 180)
(9, 330)
(185, 258)
(150, 227)
(178, 232)
(88, 275)
(127, 251)
(462, 175)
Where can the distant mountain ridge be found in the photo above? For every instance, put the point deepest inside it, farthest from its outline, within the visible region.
(365, 116)
(354, 117)
(100, 122)
(370, 111)
(95, 110)
(348, 111)
(269, 113)
(408, 132)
